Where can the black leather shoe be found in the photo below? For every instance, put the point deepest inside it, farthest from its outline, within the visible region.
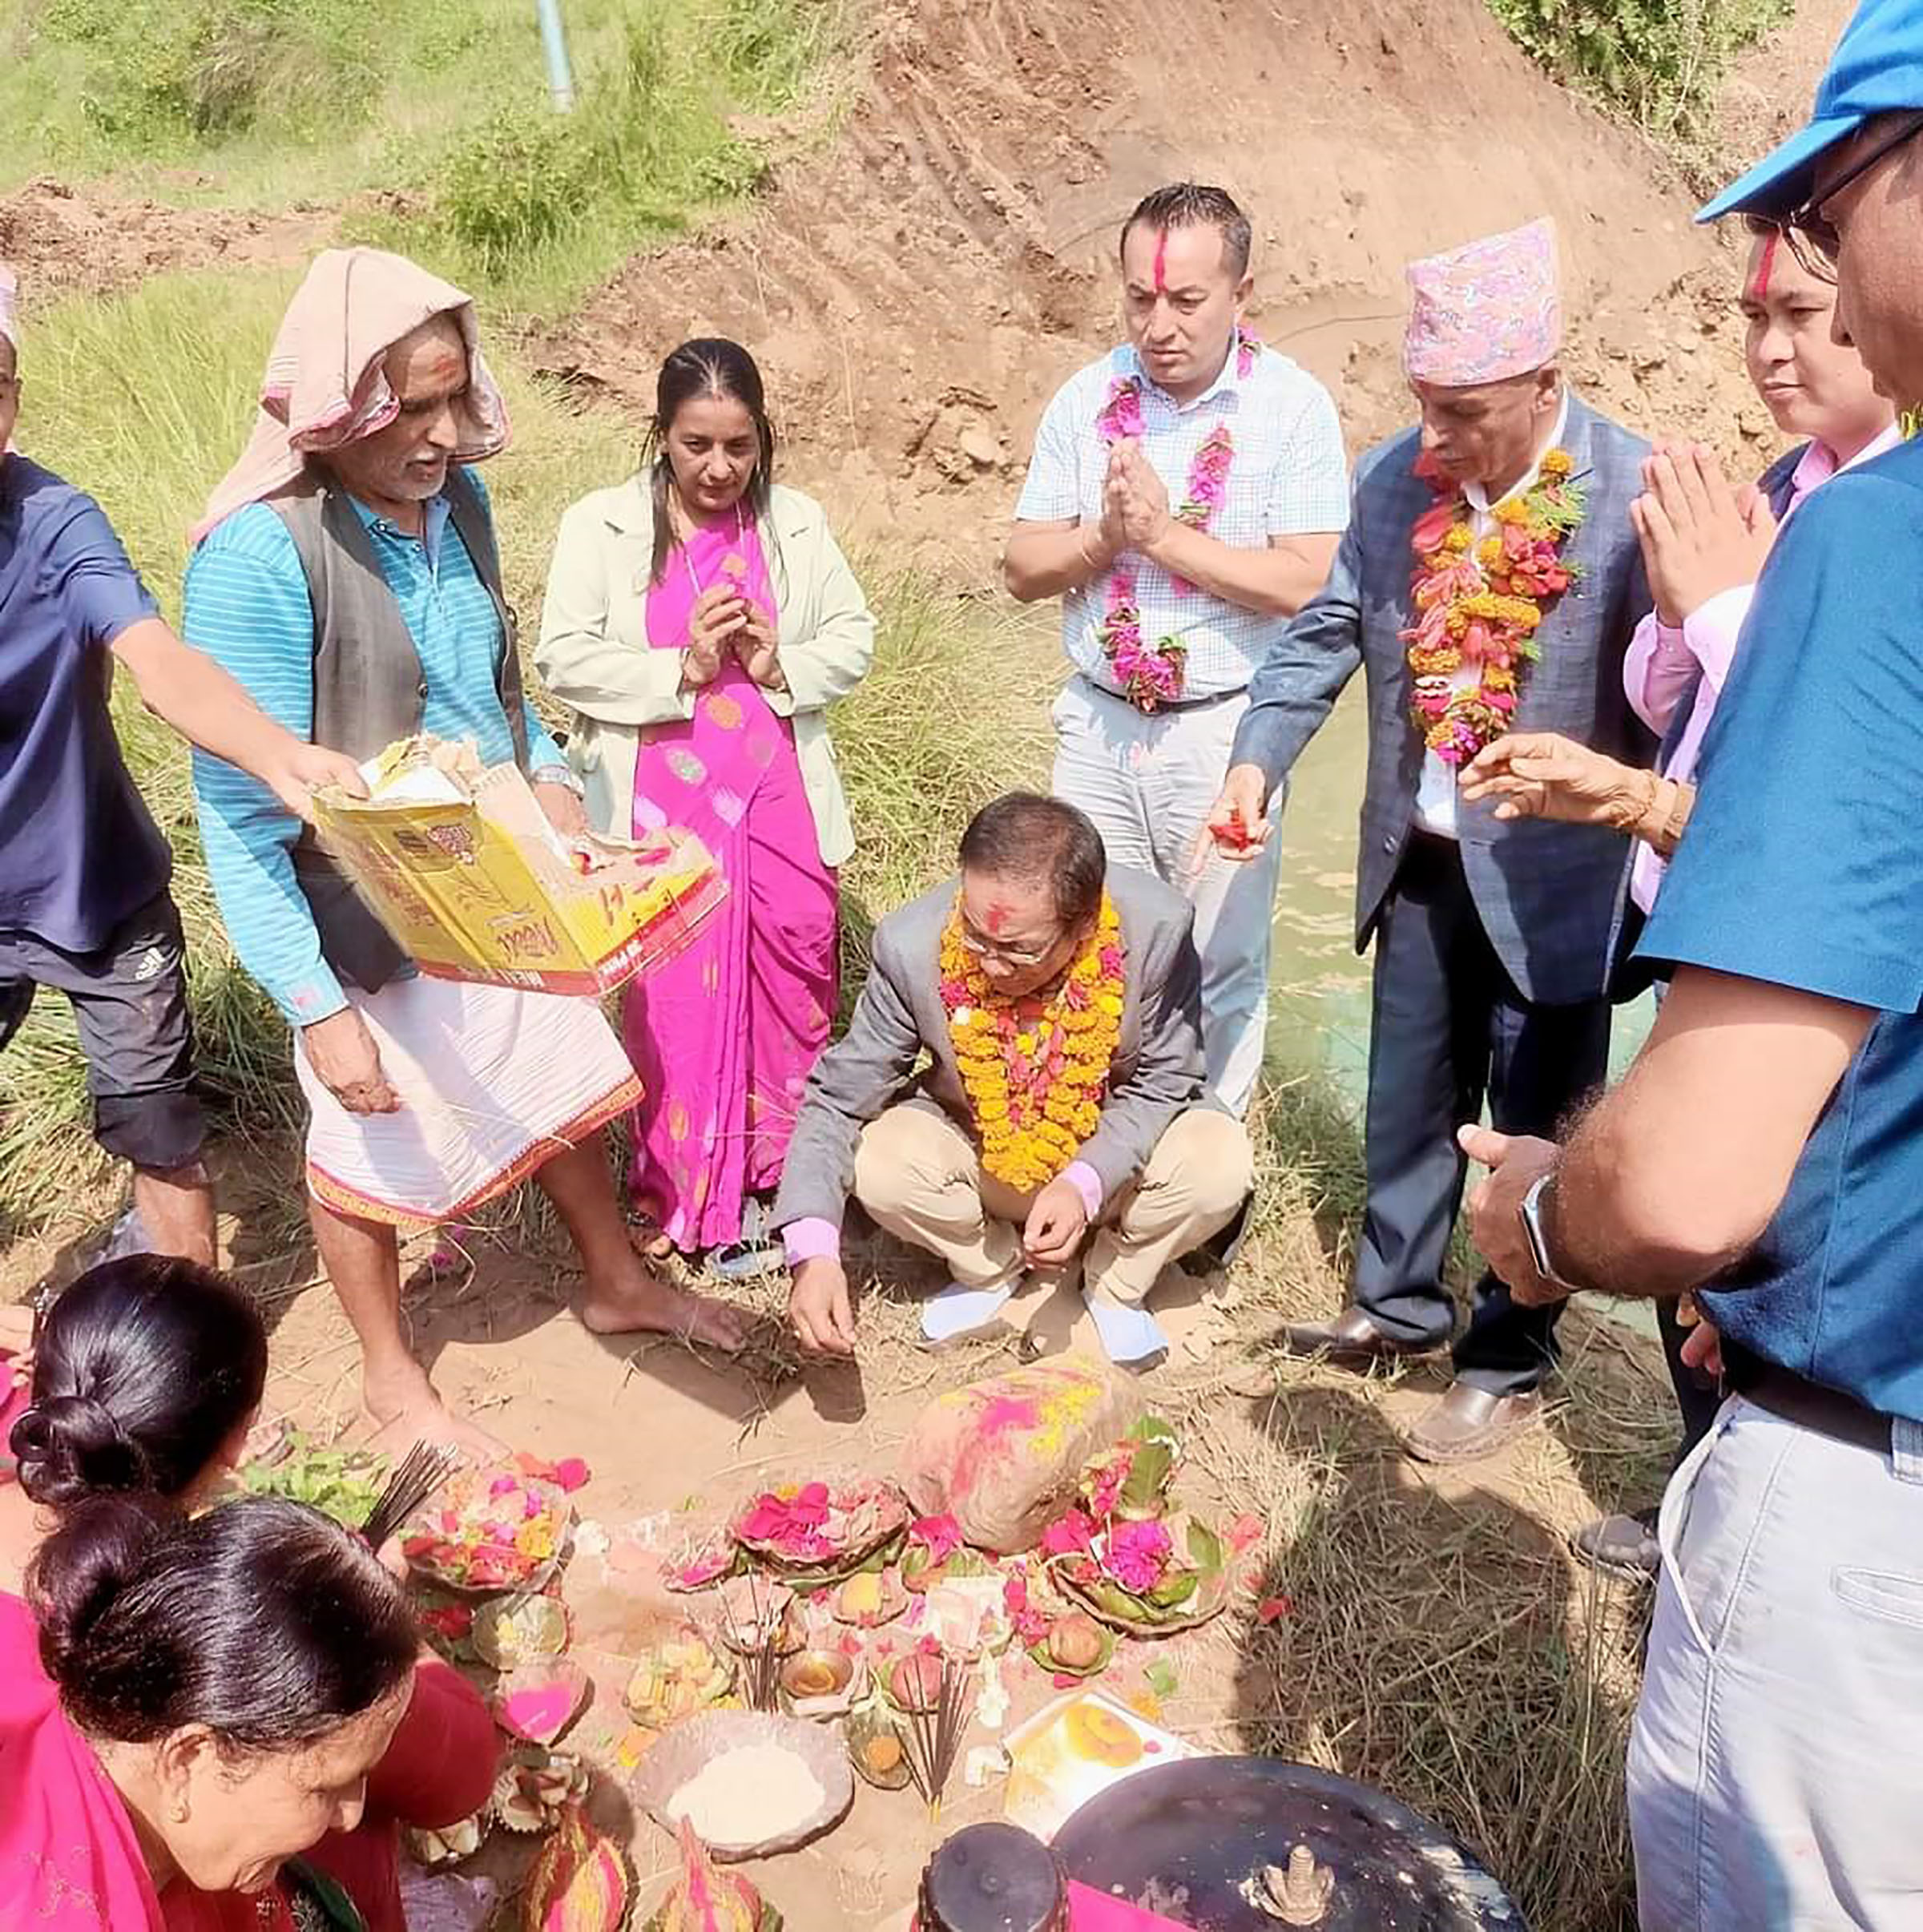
(1352, 1340)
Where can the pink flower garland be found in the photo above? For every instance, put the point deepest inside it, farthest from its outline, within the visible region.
(1151, 676)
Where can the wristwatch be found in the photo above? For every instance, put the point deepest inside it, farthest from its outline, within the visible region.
(565, 775)
(1530, 1211)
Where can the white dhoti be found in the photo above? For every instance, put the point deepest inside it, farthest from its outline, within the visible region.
(492, 1082)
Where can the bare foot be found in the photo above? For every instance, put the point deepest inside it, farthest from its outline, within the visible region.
(644, 1302)
(409, 1411)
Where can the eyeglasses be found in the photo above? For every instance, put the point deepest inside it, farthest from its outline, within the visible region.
(1006, 955)
(1813, 236)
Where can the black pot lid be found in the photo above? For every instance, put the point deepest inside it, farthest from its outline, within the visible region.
(1194, 1842)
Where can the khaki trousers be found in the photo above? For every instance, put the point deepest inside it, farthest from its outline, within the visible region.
(919, 1173)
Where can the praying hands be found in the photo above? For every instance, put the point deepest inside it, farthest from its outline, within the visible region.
(1135, 501)
(1700, 537)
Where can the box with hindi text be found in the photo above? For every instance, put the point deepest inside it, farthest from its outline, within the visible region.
(465, 870)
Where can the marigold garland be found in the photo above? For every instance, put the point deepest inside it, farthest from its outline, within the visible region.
(1152, 675)
(1035, 1069)
(1481, 604)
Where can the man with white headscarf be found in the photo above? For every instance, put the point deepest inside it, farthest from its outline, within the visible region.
(348, 575)
(84, 904)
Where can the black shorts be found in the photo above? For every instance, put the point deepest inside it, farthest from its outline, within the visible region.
(130, 1005)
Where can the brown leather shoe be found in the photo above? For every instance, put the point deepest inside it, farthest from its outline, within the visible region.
(1352, 1340)
(1469, 1423)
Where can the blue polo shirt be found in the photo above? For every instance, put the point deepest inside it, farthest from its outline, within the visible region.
(78, 850)
(1803, 866)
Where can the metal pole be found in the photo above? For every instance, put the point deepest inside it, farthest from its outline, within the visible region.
(554, 41)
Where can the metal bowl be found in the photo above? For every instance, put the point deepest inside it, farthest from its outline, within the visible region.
(846, 1676)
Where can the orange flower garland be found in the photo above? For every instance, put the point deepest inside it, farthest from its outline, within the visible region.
(1035, 1069)
(1480, 604)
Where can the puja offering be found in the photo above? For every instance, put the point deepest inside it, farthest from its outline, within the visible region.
(474, 883)
(580, 1882)
(964, 1615)
(490, 1529)
(507, 1632)
(822, 1683)
(755, 1610)
(705, 1900)
(875, 1748)
(538, 1701)
(1076, 1645)
(676, 1679)
(935, 1551)
(931, 1733)
(536, 1786)
(1132, 1479)
(749, 1783)
(914, 1682)
(1075, 1748)
(450, 1845)
(1148, 1577)
(1119, 1552)
(870, 1599)
(813, 1534)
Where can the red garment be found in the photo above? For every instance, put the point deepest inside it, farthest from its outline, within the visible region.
(440, 1769)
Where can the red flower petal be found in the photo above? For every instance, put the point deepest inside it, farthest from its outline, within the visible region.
(1272, 1609)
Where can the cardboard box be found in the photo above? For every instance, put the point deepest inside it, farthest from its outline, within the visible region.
(467, 873)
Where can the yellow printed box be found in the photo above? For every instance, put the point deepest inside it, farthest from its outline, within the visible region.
(467, 873)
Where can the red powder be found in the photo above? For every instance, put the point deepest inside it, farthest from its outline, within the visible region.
(1161, 261)
(1759, 288)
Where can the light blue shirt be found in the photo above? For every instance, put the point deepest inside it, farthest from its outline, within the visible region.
(246, 606)
(1288, 477)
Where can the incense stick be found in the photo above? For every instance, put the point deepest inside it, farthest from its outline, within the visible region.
(934, 1734)
(765, 1657)
(422, 1470)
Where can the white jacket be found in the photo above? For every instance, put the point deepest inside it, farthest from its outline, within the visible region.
(594, 657)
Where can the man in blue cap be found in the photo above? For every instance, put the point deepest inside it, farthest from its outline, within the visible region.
(1767, 1147)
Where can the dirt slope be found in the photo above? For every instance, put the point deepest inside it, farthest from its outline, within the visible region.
(918, 284)
(69, 241)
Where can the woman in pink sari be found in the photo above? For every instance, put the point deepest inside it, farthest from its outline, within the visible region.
(221, 1725)
(700, 620)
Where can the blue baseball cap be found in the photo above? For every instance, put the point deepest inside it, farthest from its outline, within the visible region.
(1878, 66)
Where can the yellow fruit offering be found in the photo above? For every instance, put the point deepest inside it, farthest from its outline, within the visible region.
(861, 1599)
(1101, 1736)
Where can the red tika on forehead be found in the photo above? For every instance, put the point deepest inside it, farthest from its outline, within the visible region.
(998, 918)
(1759, 289)
(1162, 262)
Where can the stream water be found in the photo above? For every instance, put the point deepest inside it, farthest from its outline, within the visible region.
(1318, 987)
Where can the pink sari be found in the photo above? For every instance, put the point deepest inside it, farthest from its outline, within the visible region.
(69, 1859)
(725, 1037)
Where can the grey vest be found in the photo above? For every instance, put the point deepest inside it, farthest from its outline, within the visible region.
(368, 688)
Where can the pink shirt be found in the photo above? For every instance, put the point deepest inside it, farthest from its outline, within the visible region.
(1662, 660)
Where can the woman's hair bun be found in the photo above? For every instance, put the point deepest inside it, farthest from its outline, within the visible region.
(78, 1572)
(70, 1446)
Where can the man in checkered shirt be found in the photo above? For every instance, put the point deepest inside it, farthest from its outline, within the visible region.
(1184, 501)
